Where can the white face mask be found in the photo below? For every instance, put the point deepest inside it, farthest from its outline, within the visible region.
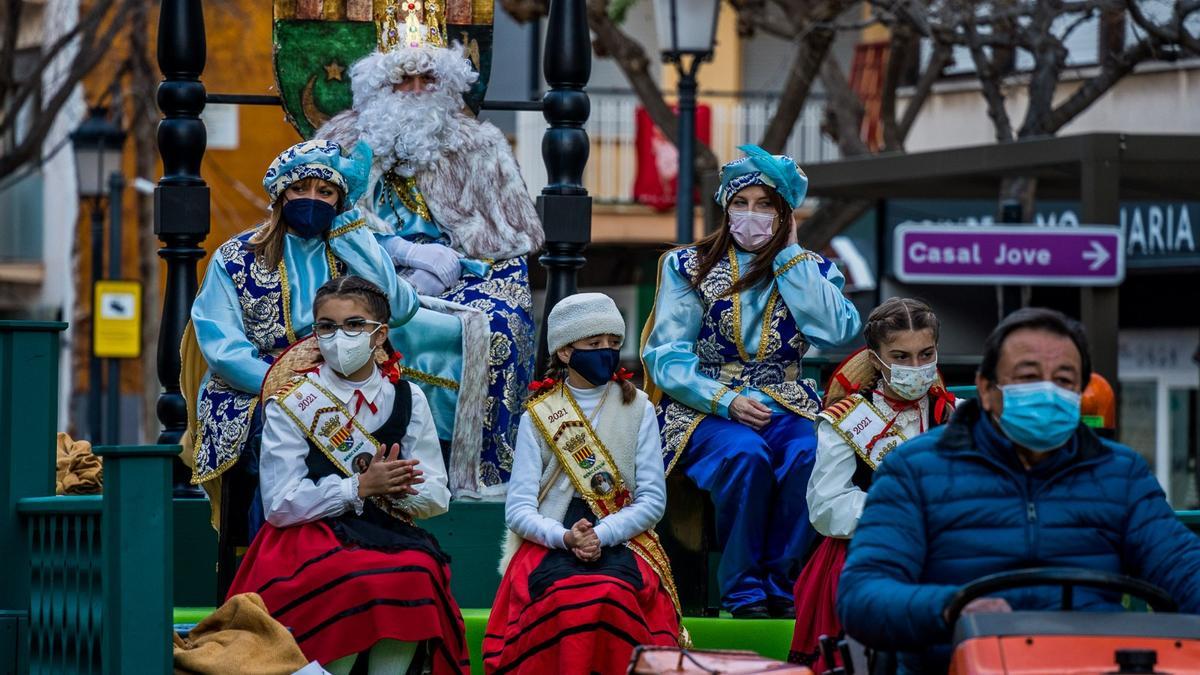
(910, 382)
(347, 354)
(751, 229)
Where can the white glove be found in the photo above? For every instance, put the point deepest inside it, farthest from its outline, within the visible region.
(441, 261)
(425, 283)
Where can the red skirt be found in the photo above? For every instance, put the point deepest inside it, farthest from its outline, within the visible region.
(339, 600)
(816, 604)
(579, 623)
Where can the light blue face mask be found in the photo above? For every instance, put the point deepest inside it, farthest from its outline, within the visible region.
(1040, 416)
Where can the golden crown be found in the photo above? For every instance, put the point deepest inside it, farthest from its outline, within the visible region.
(411, 24)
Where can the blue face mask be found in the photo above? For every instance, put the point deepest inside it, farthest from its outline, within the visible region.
(309, 218)
(595, 365)
(1040, 416)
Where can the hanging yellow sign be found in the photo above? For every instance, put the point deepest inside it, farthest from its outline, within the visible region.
(117, 320)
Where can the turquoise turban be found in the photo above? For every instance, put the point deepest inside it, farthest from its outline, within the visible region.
(760, 167)
(320, 159)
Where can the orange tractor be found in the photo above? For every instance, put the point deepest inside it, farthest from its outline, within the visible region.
(1068, 641)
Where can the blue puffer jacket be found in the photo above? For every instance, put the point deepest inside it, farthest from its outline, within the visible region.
(955, 504)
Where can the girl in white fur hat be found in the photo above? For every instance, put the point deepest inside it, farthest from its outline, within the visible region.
(585, 578)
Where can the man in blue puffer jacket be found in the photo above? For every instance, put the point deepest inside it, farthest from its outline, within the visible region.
(1013, 481)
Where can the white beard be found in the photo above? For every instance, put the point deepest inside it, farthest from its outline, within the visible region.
(410, 131)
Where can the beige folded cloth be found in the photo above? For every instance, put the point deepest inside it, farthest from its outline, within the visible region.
(77, 470)
(240, 637)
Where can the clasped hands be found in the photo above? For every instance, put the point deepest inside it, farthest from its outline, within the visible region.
(583, 541)
(432, 269)
(389, 475)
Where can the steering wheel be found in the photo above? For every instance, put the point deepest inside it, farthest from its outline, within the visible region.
(1066, 578)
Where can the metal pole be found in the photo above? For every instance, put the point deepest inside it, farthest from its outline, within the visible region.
(685, 181)
(112, 427)
(95, 370)
(1009, 298)
(181, 203)
(564, 205)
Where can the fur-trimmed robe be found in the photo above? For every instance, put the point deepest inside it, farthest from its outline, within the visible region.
(475, 193)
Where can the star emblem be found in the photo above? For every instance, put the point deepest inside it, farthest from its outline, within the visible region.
(333, 71)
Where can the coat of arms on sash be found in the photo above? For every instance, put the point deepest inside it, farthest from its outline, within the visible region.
(316, 42)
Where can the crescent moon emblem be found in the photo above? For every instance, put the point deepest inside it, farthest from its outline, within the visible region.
(308, 104)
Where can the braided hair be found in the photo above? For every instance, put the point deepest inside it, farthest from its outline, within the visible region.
(896, 315)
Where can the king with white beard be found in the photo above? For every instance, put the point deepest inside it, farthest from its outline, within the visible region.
(447, 201)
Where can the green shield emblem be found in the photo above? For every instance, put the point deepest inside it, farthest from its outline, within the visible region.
(316, 41)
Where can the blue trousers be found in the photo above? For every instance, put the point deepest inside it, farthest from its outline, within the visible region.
(757, 481)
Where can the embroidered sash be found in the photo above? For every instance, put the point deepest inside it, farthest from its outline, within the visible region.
(326, 422)
(594, 474)
(864, 428)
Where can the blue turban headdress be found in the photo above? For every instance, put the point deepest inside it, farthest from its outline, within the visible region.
(760, 167)
(320, 159)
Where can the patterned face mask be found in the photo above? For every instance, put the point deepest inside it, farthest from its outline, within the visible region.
(910, 382)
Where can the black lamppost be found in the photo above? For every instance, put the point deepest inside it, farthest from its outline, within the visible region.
(98, 147)
(686, 28)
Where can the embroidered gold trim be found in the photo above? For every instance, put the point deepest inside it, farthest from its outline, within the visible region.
(806, 255)
(405, 189)
(716, 399)
(687, 436)
(349, 227)
(734, 275)
(427, 378)
(286, 290)
(788, 405)
(862, 452)
(221, 468)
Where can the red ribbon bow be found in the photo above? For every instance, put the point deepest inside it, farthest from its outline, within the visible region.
(622, 374)
(539, 385)
(391, 367)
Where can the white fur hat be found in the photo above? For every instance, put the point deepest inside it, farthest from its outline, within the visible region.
(580, 316)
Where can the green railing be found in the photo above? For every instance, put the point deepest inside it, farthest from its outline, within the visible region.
(86, 586)
(65, 583)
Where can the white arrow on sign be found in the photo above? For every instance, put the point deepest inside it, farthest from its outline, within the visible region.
(1098, 255)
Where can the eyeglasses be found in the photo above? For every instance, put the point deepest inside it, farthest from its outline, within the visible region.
(351, 328)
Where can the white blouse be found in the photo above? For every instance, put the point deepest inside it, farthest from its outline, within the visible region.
(835, 503)
(291, 498)
(649, 495)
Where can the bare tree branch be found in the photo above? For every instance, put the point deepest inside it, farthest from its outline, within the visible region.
(941, 58)
(844, 111)
(989, 80)
(898, 52)
(1049, 56)
(86, 58)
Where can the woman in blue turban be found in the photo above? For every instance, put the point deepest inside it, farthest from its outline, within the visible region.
(734, 314)
(257, 298)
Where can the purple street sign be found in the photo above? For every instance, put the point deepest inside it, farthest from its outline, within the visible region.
(1009, 254)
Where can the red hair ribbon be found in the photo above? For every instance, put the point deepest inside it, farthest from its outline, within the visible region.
(539, 385)
(944, 399)
(846, 384)
(622, 374)
(391, 367)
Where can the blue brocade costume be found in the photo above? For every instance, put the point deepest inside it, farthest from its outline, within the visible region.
(245, 315)
(488, 314)
(706, 348)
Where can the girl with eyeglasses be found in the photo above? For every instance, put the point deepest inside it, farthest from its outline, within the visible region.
(256, 300)
(350, 457)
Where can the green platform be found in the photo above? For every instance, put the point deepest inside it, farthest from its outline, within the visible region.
(768, 637)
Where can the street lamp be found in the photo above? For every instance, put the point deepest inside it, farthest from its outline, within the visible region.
(686, 28)
(98, 147)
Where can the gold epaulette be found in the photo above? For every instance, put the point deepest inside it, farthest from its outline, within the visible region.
(289, 386)
(837, 411)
